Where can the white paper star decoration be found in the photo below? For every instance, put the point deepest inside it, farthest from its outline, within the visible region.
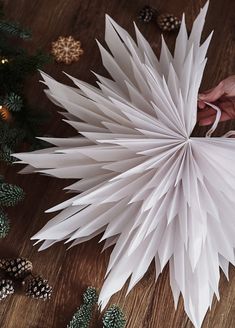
(154, 191)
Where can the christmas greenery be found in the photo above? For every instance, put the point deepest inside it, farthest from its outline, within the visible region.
(18, 121)
(14, 29)
(113, 317)
(10, 194)
(13, 102)
(4, 224)
(82, 317)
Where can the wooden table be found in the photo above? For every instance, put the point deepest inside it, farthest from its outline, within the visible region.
(149, 304)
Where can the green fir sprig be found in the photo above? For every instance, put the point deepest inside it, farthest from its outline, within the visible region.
(13, 102)
(114, 318)
(82, 317)
(4, 224)
(10, 194)
(14, 29)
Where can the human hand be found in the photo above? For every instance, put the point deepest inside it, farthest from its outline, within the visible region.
(223, 96)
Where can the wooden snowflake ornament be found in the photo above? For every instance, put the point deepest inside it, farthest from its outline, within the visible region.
(66, 50)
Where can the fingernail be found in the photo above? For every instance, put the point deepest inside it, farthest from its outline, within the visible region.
(201, 96)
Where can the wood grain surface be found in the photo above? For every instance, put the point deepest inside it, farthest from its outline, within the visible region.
(149, 304)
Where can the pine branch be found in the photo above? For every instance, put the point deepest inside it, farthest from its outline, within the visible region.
(90, 296)
(27, 64)
(14, 29)
(4, 224)
(10, 194)
(5, 154)
(10, 137)
(114, 318)
(13, 102)
(83, 315)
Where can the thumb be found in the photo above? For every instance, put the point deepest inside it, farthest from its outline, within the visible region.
(213, 95)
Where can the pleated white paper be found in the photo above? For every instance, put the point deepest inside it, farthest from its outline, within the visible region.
(154, 191)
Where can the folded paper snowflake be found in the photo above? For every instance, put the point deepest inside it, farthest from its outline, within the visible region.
(155, 192)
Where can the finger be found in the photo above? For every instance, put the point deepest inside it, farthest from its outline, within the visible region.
(225, 117)
(205, 92)
(214, 94)
(201, 104)
(201, 114)
(228, 107)
(210, 120)
(225, 97)
(207, 121)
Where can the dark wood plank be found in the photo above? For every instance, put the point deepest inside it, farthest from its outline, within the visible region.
(149, 304)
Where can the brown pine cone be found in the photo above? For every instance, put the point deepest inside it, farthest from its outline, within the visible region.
(18, 268)
(168, 22)
(146, 14)
(6, 288)
(38, 288)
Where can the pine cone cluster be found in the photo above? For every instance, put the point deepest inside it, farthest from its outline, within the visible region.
(20, 269)
(166, 22)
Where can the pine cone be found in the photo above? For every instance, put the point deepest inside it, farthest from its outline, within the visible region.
(146, 14)
(168, 22)
(6, 288)
(38, 288)
(4, 224)
(18, 268)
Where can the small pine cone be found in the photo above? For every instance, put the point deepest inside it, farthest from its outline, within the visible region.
(18, 268)
(6, 288)
(38, 288)
(168, 22)
(146, 14)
